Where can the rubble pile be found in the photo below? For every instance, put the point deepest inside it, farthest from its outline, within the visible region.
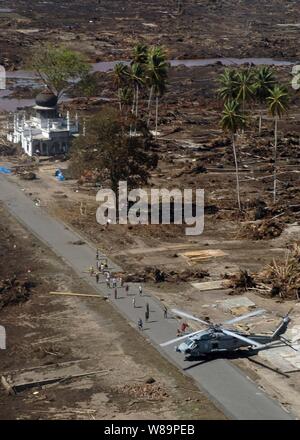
(147, 391)
(7, 149)
(240, 281)
(283, 277)
(28, 175)
(14, 291)
(261, 229)
(159, 276)
(21, 170)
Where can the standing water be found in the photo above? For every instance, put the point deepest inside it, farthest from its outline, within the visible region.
(10, 105)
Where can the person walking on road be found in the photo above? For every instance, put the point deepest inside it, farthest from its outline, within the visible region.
(165, 312)
(140, 290)
(146, 315)
(91, 270)
(114, 283)
(140, 324)
(116, 293)
(133, 303)
(101, 267)
(97, 277)
(126, 289)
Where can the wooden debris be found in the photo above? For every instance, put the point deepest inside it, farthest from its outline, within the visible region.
(8, 388)
(23, 386)
(76, 294)
(196, 256)
(209, 285)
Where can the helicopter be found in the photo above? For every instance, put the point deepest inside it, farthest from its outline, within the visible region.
(216, 338)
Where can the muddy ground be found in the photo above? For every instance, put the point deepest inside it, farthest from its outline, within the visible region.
(193, 152)
(68, 335)
(103, 29)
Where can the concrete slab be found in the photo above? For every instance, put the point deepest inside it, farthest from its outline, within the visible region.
(238, 302)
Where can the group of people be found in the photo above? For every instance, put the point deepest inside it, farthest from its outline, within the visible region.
(113, 282)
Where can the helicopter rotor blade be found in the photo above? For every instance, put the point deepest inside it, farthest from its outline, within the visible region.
(296, 338)
(240, 318)
(287, 314)
(187, 315)
(242, 338)
(164, 344)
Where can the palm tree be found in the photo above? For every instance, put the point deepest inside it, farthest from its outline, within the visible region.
(278, 104)
(233, 120)
(124, 95)
(245, 87)
(228, 85)
(136, 75)
(140, 54)
(120, 75)
(157, 75)
(264, 83)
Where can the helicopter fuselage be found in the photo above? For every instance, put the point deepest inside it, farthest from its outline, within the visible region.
(216, 338)
(210, 341)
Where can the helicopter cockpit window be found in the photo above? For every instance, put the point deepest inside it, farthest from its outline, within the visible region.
(189, 342)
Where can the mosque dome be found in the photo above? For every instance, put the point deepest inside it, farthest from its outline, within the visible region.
(46, 99)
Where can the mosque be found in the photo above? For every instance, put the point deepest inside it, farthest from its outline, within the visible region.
(46, 132)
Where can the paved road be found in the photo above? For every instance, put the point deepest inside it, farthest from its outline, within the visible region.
(225, 384)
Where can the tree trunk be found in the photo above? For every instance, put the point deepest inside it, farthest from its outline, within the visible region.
(237, 173)
(260, 123)
(120, 102)
(132, 111)
(275, 158)
(149, 106)
(136, 106)
(243, 129)
(156, 117)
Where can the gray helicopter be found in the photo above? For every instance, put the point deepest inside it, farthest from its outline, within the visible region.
(215, 338)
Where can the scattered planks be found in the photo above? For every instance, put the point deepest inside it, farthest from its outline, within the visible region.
(209, 285)
(76, 294)
(17, 388)
(200, 255)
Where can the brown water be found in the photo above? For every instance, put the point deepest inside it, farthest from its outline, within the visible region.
(105, 66)
(11, 105)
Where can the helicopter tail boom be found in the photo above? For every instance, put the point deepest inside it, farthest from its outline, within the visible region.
(281, 329)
